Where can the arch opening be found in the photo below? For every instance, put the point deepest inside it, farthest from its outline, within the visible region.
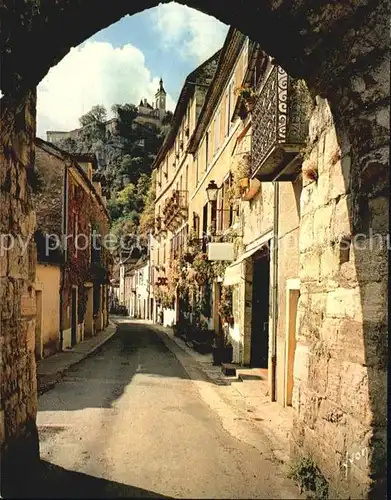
(341, 52)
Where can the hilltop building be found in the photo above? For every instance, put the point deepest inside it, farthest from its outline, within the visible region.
(147, 114)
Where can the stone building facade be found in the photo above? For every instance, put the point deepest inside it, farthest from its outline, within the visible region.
(173, 168)
(72, 272)
(341, 50)
(136, 293)
(291, 220)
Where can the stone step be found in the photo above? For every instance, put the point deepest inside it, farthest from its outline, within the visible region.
(202, 347)
(243, 377)
(228, 369)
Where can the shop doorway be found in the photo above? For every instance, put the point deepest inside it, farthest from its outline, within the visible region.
(260, 310)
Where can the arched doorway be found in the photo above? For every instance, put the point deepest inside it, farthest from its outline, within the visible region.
(341, 51)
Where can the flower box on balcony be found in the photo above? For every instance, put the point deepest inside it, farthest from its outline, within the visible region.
(244, 182)
(280, 127)
(251, 190)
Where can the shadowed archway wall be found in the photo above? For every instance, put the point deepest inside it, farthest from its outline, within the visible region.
(341, 50)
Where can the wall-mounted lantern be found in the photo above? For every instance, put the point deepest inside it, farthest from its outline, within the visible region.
(211, 191)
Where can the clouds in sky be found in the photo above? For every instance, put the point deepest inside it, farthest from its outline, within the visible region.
(189, 32)
(99, 73)
(93, 73)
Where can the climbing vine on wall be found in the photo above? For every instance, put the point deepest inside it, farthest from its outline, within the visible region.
(85, 215)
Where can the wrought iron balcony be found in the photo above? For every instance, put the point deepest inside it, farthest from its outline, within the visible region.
(176, 253)
(280, 126)
(158, 223)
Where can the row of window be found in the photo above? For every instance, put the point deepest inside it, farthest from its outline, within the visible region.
(221, 124)
(220, 128)
(182, 184)
(178, 149)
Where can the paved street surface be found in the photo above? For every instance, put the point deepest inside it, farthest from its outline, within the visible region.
(129, 422)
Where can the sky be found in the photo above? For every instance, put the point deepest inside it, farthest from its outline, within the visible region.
(124, 62)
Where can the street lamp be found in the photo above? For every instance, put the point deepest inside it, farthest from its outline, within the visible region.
(211, 191)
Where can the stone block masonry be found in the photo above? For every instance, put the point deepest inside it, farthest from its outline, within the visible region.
(340, 381)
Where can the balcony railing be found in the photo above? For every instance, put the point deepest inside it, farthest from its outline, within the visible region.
(280, 126)
(176, 253)
(175, 209)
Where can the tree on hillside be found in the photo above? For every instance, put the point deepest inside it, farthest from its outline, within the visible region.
(70, 145)
(125, 161)
(125, 114)
(167, 119)
(97, 114)
(143, 185)
(147, 217)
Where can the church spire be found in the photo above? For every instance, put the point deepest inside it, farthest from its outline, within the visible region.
(161, 88)
(160, 100)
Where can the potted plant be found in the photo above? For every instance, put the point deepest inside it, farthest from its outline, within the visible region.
(225, 306)
(222, 350)
(248, 94)
(243, 170)
(202, 268)
(188, 257)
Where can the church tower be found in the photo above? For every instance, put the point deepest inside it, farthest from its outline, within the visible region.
(160, 100)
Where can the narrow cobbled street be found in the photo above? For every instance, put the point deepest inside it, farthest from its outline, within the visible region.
(128, 422)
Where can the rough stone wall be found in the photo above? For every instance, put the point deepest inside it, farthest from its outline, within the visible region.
(340, 375)
(18, 391)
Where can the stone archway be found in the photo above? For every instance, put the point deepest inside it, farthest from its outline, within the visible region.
(341, 50)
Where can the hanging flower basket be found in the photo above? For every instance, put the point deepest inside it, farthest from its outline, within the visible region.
(229, 320)
(248, 94)
(249, 104)
(188, 257)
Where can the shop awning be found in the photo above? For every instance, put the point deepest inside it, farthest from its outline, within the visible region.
(233, 274)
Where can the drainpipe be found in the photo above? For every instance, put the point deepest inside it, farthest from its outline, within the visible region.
(275, 277)
(275, 290)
